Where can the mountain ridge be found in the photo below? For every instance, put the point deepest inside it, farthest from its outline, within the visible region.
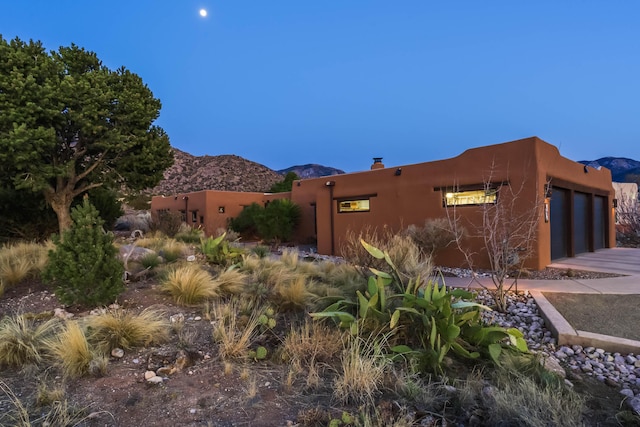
(623, 169)
(226, 172)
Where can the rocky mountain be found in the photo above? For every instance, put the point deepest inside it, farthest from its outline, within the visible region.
(622, 169)
(226, 173)
(311, 170)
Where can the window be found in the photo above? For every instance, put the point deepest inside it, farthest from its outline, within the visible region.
(470, 197)
(194, 216)
(361, 205)
(221, 209)
(183, 215)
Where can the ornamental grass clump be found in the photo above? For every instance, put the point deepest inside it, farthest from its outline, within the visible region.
(21, 260)
(190, 284)
(23, 341)
(123, 329)
(73, 353)
(83, 267)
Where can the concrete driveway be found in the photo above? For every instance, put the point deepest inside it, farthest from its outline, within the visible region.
(624, 261)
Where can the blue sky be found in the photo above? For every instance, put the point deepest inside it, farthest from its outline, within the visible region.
(289, 82)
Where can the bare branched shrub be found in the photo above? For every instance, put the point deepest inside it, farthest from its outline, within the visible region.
(433, 236)
(167, 222)
(628, 220)
(507, 232)
(403, 251)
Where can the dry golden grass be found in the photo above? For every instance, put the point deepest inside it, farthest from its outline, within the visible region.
(72, 351)
(231, 282)
(313, 342)
(23, 341)
(190, 284)
(290, 258)
(232, 332)
(292, 295)
(123, 329)
(47, 395)
(362, 371)
(21, 260)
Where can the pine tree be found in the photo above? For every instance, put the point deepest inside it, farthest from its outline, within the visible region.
(83, 267)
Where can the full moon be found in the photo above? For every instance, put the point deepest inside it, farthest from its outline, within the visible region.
(203, 12)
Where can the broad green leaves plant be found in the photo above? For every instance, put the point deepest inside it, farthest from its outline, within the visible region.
(426, 319)
(219, 251)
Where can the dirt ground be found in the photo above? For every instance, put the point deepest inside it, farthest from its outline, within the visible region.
(615, 315)
(205, 392)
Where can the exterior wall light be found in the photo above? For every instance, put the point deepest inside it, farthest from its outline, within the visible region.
(398, 172)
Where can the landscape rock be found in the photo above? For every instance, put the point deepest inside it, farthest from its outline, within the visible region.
(117, 353)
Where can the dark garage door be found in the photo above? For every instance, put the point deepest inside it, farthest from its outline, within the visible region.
(599, 222)
(581, 224)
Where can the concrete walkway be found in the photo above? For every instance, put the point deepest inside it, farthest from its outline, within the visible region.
(616, 260)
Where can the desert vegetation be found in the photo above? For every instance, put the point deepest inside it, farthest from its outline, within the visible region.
(369, 338)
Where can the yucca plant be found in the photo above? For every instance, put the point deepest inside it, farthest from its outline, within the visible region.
(190, 284)
(24, 341)
(124, 329)
(261, 251)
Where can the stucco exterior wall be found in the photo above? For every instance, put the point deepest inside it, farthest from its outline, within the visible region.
(410, 194)
(213, 209)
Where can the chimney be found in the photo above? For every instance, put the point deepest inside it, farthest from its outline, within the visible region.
(377, 163)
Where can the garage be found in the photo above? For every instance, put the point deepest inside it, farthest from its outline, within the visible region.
(578, 222)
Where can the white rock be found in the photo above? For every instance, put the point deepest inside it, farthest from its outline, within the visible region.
(155, 380)
(117, 353)
(149, 374)
(191, 258)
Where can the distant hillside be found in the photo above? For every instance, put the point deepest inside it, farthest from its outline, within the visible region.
(311, 170)
(226, 173)
(622, 169)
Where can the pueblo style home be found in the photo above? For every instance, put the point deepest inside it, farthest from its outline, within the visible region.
(573, 203)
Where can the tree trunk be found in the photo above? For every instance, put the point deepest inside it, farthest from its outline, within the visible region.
(61, 204)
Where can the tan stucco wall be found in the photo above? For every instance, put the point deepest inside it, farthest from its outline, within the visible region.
(208, 204)
(397, 201)
(410, 194)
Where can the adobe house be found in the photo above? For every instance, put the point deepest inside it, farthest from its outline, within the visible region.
(210, 209)
(574, 202)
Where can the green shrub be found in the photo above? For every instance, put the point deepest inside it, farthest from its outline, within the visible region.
(440, 319)
(278, 220)
(245, 222)
(285, 185)
(107, 204)
(219, 251)
(83, 267)
(261, 251)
